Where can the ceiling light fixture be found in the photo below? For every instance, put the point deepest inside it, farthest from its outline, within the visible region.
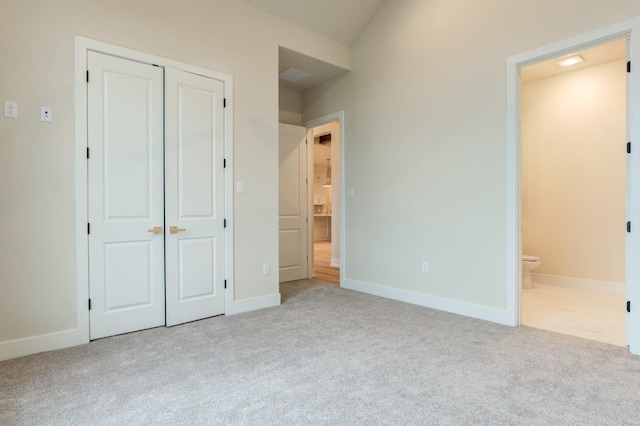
(570, 60)
(327, 181)
(293, 75)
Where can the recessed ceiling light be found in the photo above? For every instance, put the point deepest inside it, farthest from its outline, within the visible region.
(293, 75)
(570, 60)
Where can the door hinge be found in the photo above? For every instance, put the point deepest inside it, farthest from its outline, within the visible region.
(629, 66)
(628, 305)
(89, 304)
(87, 153)
(224, 102)
(628, 147)
(225, 223)
(628, 226)
(224, 163)
(87, 76)
(88, 228)
(306, 142)
(225, 284)
(306, 180)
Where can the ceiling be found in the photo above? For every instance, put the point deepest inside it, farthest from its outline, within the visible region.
(593, 56)
(320, 71)
(344, 21)
(339, 20)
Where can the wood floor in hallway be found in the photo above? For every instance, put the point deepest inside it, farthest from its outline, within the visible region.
(322, 261)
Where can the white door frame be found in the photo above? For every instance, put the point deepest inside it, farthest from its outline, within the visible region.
(82, 46)
(629, 28)
(311, 270)
(325, 119)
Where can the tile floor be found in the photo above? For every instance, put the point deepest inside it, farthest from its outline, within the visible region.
(583, 313)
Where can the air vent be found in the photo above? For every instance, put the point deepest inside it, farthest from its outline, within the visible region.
(293, 75)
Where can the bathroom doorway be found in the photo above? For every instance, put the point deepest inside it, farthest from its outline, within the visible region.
(325, 199)
(573, 134)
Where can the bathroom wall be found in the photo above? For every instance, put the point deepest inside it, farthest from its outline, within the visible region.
(573, 173)
(290, 106)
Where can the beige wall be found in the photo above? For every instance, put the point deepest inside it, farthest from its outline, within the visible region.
(290, 106)
(573, 172)
(37, 253)
(425, 144)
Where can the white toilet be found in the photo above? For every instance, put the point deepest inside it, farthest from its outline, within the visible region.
(529, 263)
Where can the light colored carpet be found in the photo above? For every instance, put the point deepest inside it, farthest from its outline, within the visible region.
(327, 356)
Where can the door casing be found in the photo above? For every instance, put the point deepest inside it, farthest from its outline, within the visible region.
(310, 124)
(82, 46)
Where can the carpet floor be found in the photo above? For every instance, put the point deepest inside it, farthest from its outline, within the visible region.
(327, 356)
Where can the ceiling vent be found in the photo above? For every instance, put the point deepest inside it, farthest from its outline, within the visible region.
(293, 75)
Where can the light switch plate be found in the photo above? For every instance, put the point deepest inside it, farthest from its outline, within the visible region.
(240, 187)
(11, 109)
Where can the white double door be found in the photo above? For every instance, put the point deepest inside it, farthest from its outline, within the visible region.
(156, 193)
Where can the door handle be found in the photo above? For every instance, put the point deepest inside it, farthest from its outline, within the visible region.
(156, 230)
(175, 229)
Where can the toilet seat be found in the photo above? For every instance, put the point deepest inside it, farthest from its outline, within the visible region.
(527, 258)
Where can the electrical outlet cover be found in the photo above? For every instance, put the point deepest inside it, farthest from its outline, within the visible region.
(11, 109)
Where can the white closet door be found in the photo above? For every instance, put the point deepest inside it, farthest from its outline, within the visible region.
(194, 149)
(126, 260)
(293, 203)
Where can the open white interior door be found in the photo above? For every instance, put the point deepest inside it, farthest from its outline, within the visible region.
(293, 203)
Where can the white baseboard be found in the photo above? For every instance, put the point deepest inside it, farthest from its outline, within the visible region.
(256, 303)
(335, 263)
(603, 286)
(448, 305)
(37, 344)
(64, 339)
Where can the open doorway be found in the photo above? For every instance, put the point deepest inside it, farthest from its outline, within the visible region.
(325, 202)
(309, 202)
(298, 74)
(573, 191)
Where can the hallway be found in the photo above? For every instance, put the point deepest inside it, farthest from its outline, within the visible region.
(321, 262)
